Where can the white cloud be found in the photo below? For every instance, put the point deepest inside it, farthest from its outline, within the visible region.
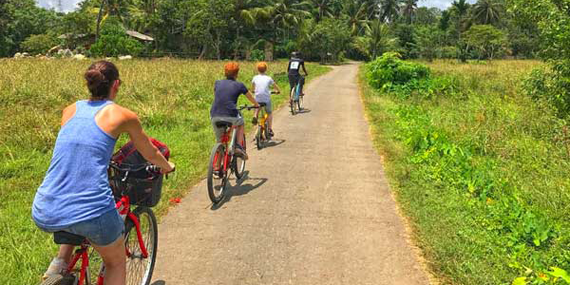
(70, 5)
(66, 5)
(441, 4)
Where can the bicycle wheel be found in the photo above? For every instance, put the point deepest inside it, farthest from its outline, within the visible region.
(217, 177)
(267, 132)
(292, 102)
(238, 163)
(139, 268)
(300, 103)
(258, 137)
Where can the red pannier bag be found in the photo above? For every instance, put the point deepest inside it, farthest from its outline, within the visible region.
(143, 187)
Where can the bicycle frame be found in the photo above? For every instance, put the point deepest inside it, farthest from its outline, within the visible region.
(228, 137)
(124, 207)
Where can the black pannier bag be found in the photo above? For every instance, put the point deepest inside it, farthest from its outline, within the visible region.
(144, 188)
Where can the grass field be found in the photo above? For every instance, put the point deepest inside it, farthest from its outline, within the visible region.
(172, 97)
(481, 170)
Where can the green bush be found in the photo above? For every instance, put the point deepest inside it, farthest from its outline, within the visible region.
(389, 69)
(257, 55)
(551, 86)
(114, 41)
(39, 44)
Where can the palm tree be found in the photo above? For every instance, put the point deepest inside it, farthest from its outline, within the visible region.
(141, 14)
(389, 10)
(409, 9)
(281, 15)
(109, 7)
(460, 7)
(323, 8)
(379, 38)
(357, 15)
(487, 11)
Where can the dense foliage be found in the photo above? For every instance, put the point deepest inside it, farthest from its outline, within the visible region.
(481, 169)
(321, 29)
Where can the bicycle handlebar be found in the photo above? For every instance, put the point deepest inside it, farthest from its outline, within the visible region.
(247, 107)
(151, 168)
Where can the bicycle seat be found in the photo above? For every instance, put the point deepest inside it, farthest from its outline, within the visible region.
(262, 104)
(62, 237)
(223, 124)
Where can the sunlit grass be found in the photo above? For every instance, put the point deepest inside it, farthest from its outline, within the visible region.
(172, 98)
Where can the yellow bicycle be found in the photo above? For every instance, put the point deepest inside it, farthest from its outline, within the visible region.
(263, 135)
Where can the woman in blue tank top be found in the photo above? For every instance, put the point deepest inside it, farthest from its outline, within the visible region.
(75, 195)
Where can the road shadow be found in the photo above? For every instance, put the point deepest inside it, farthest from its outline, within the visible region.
(158, 282)
(304, 111)
(242, 187)
(273, 143)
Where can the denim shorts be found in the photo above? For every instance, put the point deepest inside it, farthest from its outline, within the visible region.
(100, 231)
(268, 107)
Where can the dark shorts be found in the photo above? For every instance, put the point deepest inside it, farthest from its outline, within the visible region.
(219, 132)
(293, 79)
(100, 231)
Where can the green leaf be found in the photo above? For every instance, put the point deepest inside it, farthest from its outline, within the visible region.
(560, 273)
(520, 281)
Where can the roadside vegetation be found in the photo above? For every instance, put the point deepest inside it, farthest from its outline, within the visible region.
(172, 98)
(478, 165)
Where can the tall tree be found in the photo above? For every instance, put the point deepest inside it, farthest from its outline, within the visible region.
(409, 8)
(389, 10)
(487, 12)
(323, 8)
(357, 14)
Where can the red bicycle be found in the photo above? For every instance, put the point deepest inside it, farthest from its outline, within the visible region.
(141, 233)
(224, 160)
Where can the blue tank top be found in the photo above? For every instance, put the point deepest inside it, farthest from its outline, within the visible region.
(76, 186)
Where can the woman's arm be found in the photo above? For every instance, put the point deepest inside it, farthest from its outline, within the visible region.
(133, 127)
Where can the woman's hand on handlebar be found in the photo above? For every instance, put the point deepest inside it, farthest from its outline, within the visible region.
(172, 168)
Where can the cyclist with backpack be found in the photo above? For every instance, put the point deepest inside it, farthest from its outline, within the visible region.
(75, 195)
(294, 71)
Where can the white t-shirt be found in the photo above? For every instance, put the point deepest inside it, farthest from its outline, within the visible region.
(263, 85)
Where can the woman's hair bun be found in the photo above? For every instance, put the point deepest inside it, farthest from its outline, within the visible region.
(100, 76)
(94, 78)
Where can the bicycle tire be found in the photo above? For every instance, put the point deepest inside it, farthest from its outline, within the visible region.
(267, 132)
(149, 233)
(292, 102)
(300, 103)
(238, 163)
(258, 137)
(220, 150)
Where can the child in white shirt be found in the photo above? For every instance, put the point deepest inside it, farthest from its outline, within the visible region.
(262, 84)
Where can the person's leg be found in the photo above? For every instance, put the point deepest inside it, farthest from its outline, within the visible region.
(59, 264)
(65, 252)
(115, 261)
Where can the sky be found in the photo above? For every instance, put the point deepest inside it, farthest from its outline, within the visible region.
(69, 5)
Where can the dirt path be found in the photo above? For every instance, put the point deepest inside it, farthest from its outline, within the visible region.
(314, 209)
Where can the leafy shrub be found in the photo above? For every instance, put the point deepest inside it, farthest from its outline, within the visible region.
(114, 41)
(551, 86)
(257, 55)
(389, 69)
(39, 44)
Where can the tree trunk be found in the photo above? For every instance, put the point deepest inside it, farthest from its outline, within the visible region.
(99, 16)
(269, 51)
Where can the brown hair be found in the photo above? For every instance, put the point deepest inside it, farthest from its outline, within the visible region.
(262, 66)
(231, 70)
(100, 77)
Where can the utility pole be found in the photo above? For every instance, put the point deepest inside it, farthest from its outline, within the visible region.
(59, 6)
